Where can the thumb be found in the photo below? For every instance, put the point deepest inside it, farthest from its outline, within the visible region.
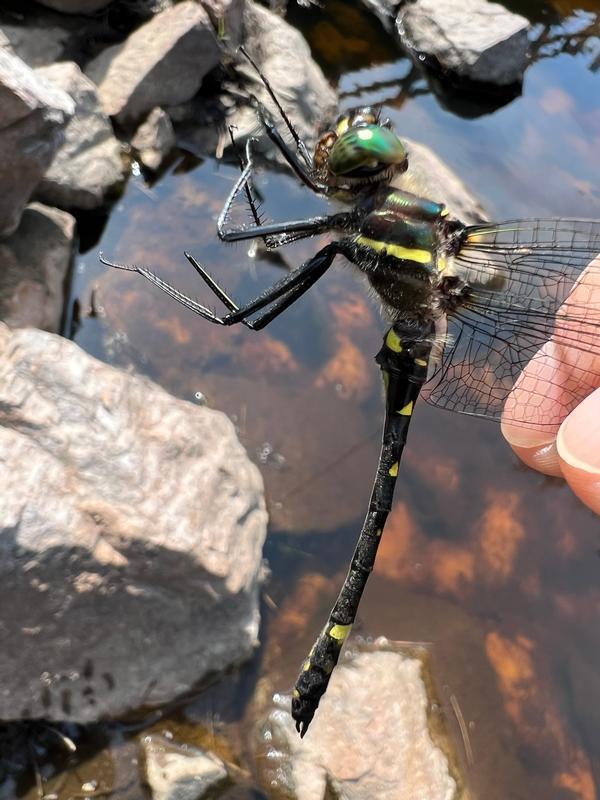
(578, 450)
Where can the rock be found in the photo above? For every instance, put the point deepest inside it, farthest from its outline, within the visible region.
(227, 19)
(34, 263)
(76, 6)
(162, 62)
(384, 9)
(284, 56)
(428, 176)
(175, 772)
(154, 139)
(88, 166)
(35, 43)
(131, 539)
(370, 737)
(32, 116)
(477, 40)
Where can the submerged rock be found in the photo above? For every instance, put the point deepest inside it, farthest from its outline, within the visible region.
(34, 263)
(176, 772)
(131, 538)
(162, 62)
(88, 165)
(476, 40)
(370, 738)
(32, 116)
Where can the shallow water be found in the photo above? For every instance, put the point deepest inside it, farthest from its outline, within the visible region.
(494, 564)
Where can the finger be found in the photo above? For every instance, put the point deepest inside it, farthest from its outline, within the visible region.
(578, 450)
(536, 397)
(563, 372)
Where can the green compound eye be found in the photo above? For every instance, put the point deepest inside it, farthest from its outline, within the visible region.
(365, 147)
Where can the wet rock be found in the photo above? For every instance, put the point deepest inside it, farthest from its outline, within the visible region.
(88, 166)
(370, 737)
(154, 139)
(131, 539)
(34, 263)
(76, 6)
(32, 116)
(162, 62)
(175, 772)
(475, 39)
(429, 176)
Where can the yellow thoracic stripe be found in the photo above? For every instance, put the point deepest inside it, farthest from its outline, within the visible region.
(396, 250)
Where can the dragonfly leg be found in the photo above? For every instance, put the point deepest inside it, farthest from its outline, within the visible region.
(403, 360)
(284, 231)
(302, 170)
(286, 291)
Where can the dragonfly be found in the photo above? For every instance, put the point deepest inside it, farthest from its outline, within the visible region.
(469, 308)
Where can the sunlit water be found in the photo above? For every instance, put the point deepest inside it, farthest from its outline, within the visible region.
(495, 564)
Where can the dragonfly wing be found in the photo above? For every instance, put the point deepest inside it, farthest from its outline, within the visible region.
(532, 318)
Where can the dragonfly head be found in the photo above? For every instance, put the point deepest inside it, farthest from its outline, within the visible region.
(358, 150)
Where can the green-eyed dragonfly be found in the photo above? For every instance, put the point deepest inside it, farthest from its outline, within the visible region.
(469, 307)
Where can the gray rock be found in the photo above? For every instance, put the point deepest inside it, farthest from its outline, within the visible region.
(88, 166)
(35, 43)
(154, 139)
(76, 6)
(477, 40)
(131, 539)
(32, 116)
(370, 736)
(227, 18)
(175, 772)
(162, 62)
(285, 58)
(34, 263)
(428, 176)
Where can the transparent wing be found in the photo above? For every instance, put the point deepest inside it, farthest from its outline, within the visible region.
(534, 306)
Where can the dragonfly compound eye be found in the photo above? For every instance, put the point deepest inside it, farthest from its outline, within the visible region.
(366, 150)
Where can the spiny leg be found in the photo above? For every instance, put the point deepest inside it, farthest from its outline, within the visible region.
(285, 231)
(403, 360)
(289, 288)
(300, 146)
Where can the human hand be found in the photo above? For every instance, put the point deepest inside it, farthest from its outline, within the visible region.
(570, 362)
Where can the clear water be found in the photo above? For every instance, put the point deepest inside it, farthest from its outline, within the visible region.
(495, 564)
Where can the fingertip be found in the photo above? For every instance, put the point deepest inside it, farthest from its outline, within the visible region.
(535, 448)
(578, 450)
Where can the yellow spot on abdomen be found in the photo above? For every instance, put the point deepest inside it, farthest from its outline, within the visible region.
(340, 632)
(396, 250)
(393, 341)
(393, 471)
(420, 362)
(406, 412)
